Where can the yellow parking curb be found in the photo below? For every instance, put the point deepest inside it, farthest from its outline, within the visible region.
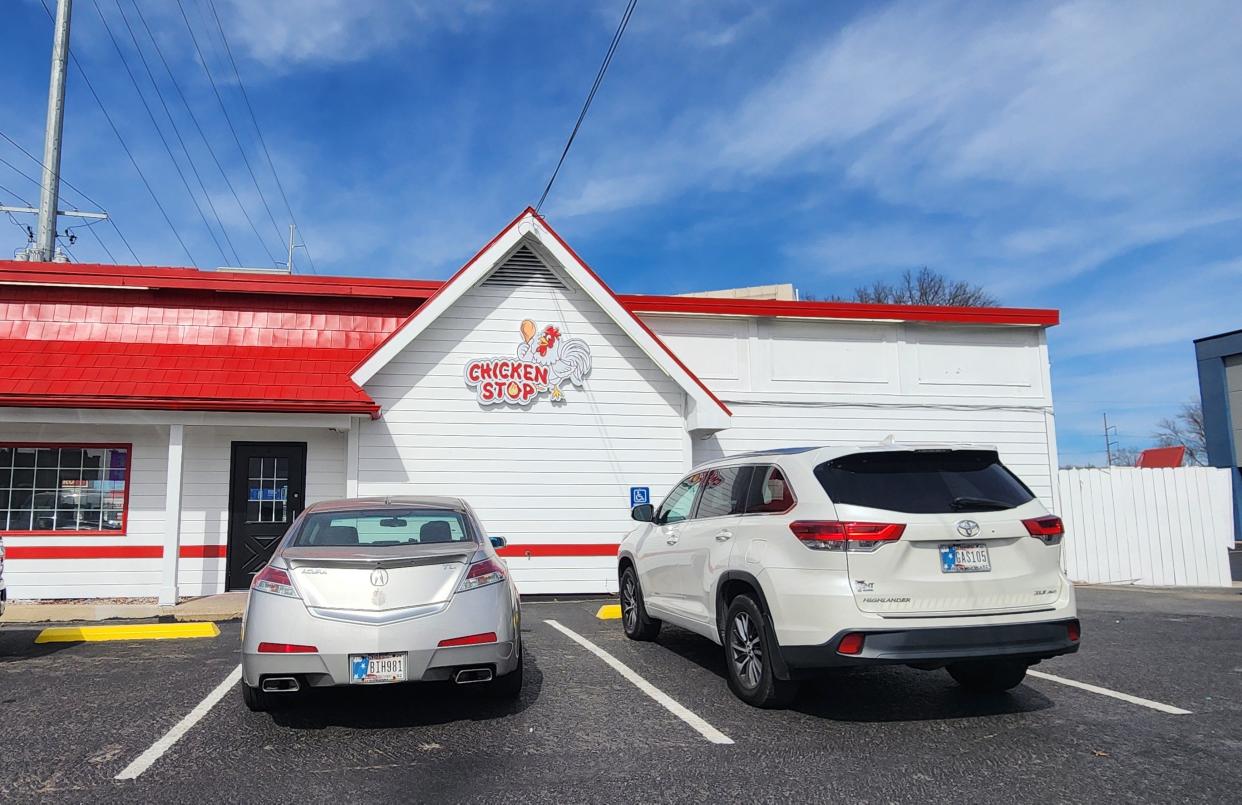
(609, 612)
(138, 631)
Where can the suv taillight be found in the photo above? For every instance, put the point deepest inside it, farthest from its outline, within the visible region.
(1048, 530)
(836, 535)
(274, 580)
(481, 574)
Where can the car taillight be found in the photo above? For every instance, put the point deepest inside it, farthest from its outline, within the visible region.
(274, 580)
(1047, 529)
(481, 574)
(469, 640)
(1073, 631)
(286, 648)
(851, 644)
(836, 535)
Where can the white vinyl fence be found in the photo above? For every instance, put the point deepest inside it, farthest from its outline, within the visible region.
(1147, 526)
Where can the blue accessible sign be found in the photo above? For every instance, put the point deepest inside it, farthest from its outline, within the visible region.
(639, 495)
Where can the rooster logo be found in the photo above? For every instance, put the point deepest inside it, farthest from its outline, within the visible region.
(565, 358)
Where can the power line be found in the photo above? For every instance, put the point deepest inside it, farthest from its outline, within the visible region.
(599, 78)
(177, 131)
(197, 125)
(255, 120)
(163, 140)
(229, 119)
(87, 198)
(16, 196)
(68, 229)
(86, 79)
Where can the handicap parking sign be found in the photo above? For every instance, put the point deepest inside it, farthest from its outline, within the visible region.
(639, 495)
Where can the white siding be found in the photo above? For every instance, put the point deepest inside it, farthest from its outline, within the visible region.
(1148, 526)
(97, 578)
(796, 382)
(205, 489)
(546, 473)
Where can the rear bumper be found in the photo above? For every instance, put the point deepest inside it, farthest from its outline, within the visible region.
(938, 646)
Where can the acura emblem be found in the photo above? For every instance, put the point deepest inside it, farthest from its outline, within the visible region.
(967, 528)
(379, 576)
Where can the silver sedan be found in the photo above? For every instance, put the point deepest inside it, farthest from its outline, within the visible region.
(382, 590)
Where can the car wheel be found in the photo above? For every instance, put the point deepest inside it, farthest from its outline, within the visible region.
(508, 686)
(988, 676)
(637, 623)
(256, 700)
(748, 657)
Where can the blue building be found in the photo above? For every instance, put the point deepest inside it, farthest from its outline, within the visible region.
(1220, 388)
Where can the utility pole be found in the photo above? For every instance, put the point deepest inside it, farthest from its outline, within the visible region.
(292, 233)
(49, 196)
(1110, 432)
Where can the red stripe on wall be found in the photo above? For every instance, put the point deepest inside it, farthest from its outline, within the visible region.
(84, 552)
(204, 551)
(527, 551)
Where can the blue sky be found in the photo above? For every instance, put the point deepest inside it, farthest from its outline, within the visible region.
(1077, 155)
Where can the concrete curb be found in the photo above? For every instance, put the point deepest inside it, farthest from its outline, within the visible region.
(224, 607)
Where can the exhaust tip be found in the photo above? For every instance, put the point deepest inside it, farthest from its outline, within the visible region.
(468, 676)
(280, 684)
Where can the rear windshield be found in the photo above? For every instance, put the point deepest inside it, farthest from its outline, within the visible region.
(379, 528)
(924, 481)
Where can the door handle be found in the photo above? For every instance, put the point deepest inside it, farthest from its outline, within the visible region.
(724, 536)
(672, 538)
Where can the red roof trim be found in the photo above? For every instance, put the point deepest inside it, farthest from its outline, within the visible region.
(178, 404)
(630, 311)
(840, 310)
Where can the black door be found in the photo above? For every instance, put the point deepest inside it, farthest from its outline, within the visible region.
(267, 489)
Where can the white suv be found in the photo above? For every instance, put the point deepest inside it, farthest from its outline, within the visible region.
(807, 559)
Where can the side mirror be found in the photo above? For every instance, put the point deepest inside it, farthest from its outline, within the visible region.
(643, 513)
(498, 542)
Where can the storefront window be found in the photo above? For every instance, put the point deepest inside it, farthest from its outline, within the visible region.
(63, 488)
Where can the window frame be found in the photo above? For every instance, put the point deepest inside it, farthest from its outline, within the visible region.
(793, 495)
(128, 447)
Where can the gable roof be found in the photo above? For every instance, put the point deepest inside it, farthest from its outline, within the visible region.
(706, 412)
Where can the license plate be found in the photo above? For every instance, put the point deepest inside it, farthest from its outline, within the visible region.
(376, 669)
(964, 557)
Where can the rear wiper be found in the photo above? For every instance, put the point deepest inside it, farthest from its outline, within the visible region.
(960, 503)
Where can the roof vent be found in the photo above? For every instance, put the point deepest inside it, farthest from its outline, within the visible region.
(524, 269)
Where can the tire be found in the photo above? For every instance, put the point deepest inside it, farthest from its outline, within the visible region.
(748, 649)
(638, 625)
(988, 676)
(509, 686)
(256, 700)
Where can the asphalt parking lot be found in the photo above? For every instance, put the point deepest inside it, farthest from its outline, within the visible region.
(76, 715)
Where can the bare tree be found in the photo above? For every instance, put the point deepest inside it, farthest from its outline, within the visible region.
(1185, 430)
(1125, 456)
(926, 287)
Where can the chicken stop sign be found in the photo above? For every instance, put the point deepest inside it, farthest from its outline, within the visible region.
(543, 361)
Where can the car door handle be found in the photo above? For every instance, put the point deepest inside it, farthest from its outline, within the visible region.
(671, 538)
(723, 536)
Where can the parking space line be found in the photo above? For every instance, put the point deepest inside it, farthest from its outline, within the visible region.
(702, 727)
(157, 749)
(1125, 697)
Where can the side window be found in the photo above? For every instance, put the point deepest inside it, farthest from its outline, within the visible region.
(769, 492)
(680, 502)
(724, 492)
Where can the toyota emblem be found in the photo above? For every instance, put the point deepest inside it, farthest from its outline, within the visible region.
(968, 528)
(379, 576)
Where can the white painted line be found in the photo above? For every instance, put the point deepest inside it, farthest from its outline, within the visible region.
(157, 749)
(1125, 697)
(702, 727)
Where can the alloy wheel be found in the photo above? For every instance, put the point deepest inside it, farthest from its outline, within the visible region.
(629, 603)
(746, 650)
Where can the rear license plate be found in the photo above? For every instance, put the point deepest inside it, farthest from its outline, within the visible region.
(376, 669)
(964, 557)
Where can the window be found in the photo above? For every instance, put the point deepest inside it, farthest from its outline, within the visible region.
(769, 492)
(63, 488)
(724, 492)
(680, 502)
(383, 527)
(924, 481)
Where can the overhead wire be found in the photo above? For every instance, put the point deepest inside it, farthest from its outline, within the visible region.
(163, 140)
(87, 198)
(201, 133)
(229, 119)
(599, 78)
(259, 131)
(125, 147)
(177, 132)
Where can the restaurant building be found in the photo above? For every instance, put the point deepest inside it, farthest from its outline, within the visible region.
(160, 427)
